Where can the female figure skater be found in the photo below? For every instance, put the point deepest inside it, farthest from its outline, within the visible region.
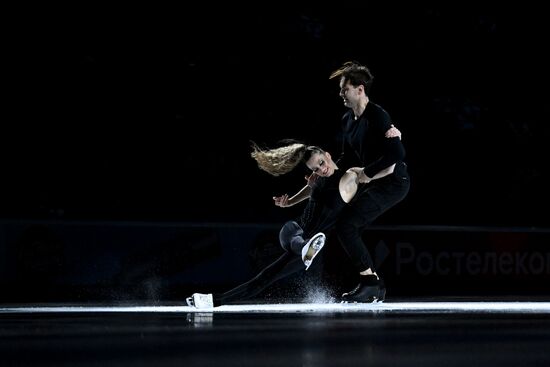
(328, 190)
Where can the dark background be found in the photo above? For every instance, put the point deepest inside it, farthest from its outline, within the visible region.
(88, 131)
(104, 195)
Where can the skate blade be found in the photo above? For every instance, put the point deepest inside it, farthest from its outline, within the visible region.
(317, 244)
(374, 300)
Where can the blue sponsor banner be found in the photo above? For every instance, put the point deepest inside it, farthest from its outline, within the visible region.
(59, 261)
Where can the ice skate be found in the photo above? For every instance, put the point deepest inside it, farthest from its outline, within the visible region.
(368, 291)
(381, 292)
(312, 248)
(200, 300)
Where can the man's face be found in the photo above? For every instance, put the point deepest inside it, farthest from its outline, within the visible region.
(349, 93)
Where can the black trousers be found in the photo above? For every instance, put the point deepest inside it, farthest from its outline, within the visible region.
(369, 203)
(292, 241)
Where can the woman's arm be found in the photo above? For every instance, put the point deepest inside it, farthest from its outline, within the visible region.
(362, 177)
(384, 172)
(284, 201)
(393, 132)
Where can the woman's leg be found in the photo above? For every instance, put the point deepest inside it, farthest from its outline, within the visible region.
(291, 238)
(287, 264)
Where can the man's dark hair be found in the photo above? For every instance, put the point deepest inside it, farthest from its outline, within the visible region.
(354, 73)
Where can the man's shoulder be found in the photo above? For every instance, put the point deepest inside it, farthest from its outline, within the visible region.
(375, 108)
(376, 112)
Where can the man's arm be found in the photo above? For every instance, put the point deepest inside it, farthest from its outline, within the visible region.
(393, 152)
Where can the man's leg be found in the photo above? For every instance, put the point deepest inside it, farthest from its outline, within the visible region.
(349, 230)
(368, 206)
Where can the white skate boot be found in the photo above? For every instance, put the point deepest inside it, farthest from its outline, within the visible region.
(200, 300)
(315, 243)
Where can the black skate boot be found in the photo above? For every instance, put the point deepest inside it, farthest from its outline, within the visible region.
(367, 291)
(382, 291)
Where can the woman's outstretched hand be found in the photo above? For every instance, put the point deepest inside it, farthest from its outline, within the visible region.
(281, 201)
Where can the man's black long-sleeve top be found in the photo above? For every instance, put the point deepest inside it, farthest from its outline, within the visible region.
(364, 139)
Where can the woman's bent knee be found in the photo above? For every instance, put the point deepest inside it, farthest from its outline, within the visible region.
(289, 230)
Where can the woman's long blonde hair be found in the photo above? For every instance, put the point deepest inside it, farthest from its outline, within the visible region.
(278, 161)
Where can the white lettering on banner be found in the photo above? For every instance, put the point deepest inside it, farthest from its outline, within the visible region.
(469, 263)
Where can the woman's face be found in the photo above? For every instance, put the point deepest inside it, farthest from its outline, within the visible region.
(321, 164)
